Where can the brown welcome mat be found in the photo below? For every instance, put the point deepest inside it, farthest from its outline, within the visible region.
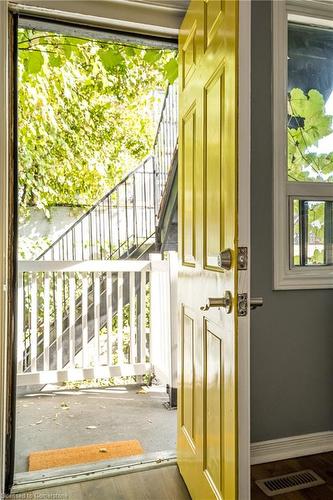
(83, 454)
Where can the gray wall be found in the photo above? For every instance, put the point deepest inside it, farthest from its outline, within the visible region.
(292, 336)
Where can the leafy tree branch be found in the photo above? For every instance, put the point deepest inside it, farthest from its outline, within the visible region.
(85, 115)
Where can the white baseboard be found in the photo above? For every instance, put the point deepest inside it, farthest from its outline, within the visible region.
(291, 447)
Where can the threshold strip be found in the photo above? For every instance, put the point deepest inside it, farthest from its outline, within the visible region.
(28, 481)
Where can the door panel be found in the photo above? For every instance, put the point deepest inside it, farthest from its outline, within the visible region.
(213, 168)
(188, 195)
(207, 429)
(213, 405)
(213, 12)
(189, 55)
(189, 379)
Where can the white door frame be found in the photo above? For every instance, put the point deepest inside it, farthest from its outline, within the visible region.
(4, 142)
(244, 240)
(243, 207)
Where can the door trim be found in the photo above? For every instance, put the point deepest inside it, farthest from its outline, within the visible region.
(244, 237)
(31, 481)
(4, 177)
(100, 16)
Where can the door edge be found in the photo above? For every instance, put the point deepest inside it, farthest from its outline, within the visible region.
(244, 240)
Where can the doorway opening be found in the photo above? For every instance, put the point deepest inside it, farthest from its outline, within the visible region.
(96, 247)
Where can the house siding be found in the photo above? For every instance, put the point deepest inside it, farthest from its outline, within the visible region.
(292, 335)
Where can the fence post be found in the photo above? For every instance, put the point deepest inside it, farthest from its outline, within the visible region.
(20, 324)
(174, 326)
(160, 319)
(164, 322)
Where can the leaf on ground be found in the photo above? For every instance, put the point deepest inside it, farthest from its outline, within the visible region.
(103, 450)
(141, 391)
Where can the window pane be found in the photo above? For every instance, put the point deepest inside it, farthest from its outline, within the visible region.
(310, 104)
(312, 233)
(296, 235)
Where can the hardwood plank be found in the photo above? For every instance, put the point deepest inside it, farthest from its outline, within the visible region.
(164, 483)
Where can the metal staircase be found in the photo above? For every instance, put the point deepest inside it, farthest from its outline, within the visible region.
(122, 223)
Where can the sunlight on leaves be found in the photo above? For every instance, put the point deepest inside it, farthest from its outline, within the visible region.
(308, 123)
(171, 70)
(85, 112)
(33, 62)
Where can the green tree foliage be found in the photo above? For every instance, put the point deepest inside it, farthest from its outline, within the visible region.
(308, 123)
(85, 115)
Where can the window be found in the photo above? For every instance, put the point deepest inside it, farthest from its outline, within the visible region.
(303, 149)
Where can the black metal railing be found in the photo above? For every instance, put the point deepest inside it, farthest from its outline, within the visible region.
(165, 141)
(125, 218)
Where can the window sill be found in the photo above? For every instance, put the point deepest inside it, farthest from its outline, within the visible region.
(304, 279)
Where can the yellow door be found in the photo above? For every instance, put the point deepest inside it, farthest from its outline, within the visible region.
(207, 416)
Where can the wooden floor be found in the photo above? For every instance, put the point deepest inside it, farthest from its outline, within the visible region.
(164, 483)
(322, 464)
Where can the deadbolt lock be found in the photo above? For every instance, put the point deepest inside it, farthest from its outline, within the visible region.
(224, 259)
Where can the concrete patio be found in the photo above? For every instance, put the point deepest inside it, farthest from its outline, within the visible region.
(66, 418)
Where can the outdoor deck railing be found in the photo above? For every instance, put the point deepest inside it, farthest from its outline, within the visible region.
(125, 218)
(121, 329)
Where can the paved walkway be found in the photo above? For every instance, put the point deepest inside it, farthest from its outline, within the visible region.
(61, 419)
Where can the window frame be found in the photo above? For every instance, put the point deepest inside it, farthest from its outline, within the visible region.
(285, 277)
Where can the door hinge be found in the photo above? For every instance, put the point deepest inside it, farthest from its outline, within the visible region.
(242, 257)
(242, 304)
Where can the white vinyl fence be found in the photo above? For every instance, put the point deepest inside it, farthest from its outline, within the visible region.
(93, 319)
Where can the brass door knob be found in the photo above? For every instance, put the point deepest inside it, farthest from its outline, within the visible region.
(225, 302)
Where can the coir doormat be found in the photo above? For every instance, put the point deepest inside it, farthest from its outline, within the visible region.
(62, 457)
